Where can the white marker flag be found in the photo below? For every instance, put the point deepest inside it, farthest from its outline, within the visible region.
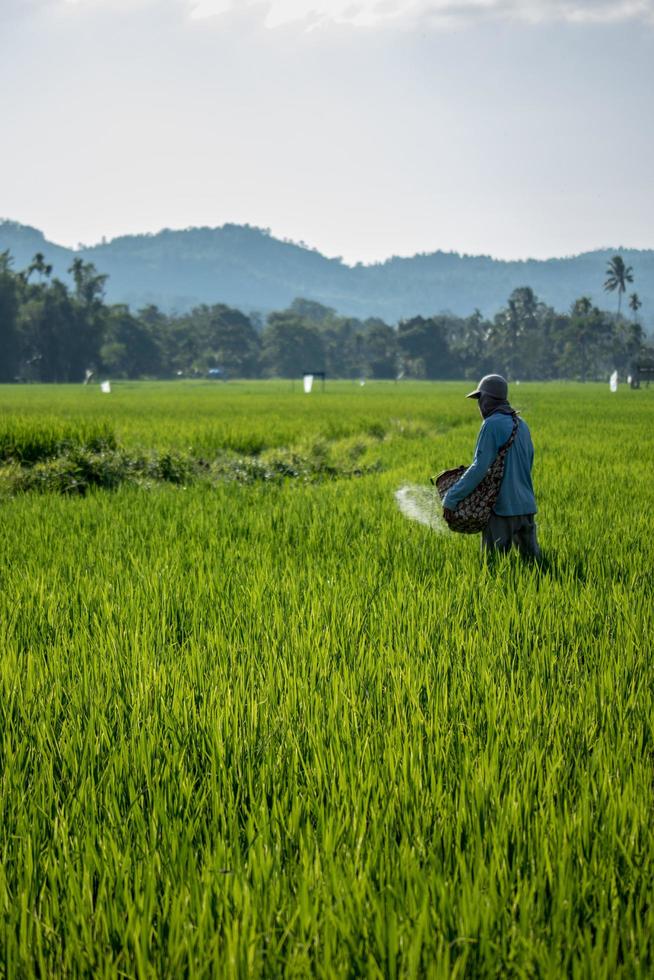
(105, 387)
(308, 383)
(613, 381)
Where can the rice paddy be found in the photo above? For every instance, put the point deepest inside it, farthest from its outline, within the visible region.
(266, 726)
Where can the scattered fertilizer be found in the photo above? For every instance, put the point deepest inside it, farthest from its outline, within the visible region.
(421, 504)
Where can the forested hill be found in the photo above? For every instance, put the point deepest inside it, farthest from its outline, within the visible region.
(248, 268)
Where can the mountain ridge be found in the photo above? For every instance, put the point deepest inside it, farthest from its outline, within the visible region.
(247, 267)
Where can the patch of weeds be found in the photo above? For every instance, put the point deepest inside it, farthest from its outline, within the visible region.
(25, 443)
(376, 430)
(248, 444)
(311, 465)
(173, 467)
(77, 469)
(356, 451)
(273, 467)
(319, 457)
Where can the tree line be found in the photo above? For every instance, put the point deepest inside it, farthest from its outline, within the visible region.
(50, 331)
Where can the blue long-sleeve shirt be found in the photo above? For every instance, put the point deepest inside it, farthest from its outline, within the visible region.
(516, 494)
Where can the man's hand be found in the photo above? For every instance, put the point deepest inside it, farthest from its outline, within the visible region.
(448, 514)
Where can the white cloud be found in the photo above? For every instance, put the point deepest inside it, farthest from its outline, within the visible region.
(404, 14)
(410, 13)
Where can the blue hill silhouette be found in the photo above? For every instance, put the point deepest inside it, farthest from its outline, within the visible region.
(248, 268)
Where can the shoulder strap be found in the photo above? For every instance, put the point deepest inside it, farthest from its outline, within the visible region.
(509, 442)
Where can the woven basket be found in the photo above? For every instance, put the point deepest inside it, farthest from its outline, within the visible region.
(472, 514)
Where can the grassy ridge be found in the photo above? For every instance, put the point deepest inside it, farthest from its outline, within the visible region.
(278, 730)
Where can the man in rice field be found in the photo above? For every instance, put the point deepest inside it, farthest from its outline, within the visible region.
(512, 522)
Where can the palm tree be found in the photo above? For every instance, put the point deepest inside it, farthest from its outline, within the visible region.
(617, 276)
(582, 306)
(635, 304)
(39, 265)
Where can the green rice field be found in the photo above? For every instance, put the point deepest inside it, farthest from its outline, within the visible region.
(254, 722)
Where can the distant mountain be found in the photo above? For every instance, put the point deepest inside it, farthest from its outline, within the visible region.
(248, 268)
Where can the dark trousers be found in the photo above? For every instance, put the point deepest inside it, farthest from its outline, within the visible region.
(504, 533)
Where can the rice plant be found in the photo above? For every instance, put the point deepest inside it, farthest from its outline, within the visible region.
(274, 728)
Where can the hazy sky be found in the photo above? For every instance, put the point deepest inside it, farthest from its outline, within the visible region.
(365, 128)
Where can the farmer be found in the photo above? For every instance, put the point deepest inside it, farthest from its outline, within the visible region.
(512, 520)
